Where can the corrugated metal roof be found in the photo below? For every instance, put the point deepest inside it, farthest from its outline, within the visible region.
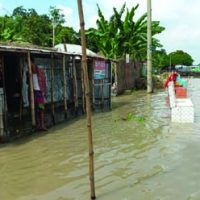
(24, 47)
(73, 49)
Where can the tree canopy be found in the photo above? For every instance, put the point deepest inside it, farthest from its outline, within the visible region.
(122, 33)
(26, 25)
(180, 57)
(160, 59)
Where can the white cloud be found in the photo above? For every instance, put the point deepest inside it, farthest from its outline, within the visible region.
(179, 17)
(69, 16)
(180, 20)
(3, 10)
(1, 4)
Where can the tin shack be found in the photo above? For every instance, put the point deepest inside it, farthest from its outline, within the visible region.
(65, 88)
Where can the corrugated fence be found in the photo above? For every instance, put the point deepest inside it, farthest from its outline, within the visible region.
(127, 74)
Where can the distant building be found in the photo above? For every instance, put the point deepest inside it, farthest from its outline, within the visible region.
(182, 68)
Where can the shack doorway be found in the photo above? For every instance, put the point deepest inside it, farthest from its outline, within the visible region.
(13, 82)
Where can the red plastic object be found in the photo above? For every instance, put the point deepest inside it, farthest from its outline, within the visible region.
(181, 92)
(171, 77)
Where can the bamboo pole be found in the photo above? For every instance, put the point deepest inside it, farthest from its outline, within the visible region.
(31, 90)
(64, 85)
(87, 96)
(52, 88)
(75, 83)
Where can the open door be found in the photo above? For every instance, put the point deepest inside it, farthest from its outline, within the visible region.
(13, 82)
(1, 98)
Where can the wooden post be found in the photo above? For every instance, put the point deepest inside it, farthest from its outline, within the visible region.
(21, 87)
(83, 90)
(75, 83)
(65, 47)
(116, 76)
(64, 85)
(87, 96)
(93, 86)
(52, 88)
(3, 114)
(31, 90)
(110, 64)
(102, 94)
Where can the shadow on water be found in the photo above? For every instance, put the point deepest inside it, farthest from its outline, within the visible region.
(39, 134)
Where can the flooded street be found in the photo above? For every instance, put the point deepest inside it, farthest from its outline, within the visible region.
(144, 158)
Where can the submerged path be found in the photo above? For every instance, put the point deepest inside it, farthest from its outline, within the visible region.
(144, 158)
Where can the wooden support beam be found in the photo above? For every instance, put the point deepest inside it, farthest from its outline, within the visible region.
(102, 94)
(52, 88)
(75, 89)
(3, 113)
(93, 86)
(83, 89)
(64, 85)
(32, 103)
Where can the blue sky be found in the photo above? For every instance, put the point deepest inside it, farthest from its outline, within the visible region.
(179, 17)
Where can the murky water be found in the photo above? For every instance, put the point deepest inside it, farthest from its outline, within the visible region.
(145, 158)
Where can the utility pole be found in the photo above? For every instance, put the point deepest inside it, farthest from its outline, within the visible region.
(87, 97)
(149, 49)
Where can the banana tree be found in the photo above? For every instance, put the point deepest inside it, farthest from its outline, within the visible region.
(117, 36)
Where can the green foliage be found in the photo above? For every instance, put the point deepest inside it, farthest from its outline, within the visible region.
(160, 59)
(67, 35)
(196, 69)
(131, 116)
(123, 34)
(114, 38)
(26, 25)
(55, 16)
(180, 57)
(91, 41)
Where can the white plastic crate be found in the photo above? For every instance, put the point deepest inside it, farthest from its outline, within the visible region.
(182, 110)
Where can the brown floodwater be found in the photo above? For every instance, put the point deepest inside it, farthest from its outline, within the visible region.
(144, 158)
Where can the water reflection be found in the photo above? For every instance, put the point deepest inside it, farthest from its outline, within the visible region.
(141, 160)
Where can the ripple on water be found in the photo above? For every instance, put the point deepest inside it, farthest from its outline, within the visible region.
(149, 159)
